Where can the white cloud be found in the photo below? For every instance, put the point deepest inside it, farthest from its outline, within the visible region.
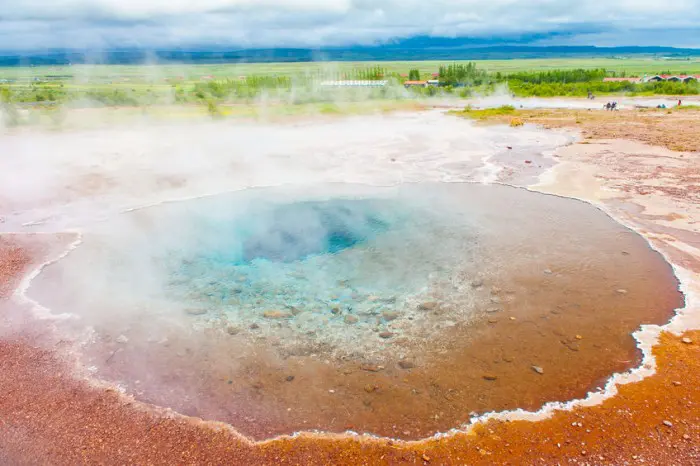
(294, 23)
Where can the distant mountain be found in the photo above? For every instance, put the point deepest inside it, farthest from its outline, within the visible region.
(410, 49)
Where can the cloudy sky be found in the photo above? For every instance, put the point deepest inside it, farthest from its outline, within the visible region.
(32, 24)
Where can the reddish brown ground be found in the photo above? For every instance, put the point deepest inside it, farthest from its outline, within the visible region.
(48, 417)
(675, 129)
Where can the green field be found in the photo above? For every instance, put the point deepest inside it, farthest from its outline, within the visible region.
(157, 73)
(216, 86)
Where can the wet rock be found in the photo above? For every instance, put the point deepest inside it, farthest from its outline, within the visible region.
(232, 330)
(369, 367)
(196, 311)
(405, 364)
(276, 314)
(290, 378)
(351, 319)
(687, 341)
(428, 306)
(538, 369)
(385, 335)
(390, 315)
(490, 377)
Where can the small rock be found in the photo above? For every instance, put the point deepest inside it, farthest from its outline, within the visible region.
(371, 367)
(254, 326)
(369, 388)
(687, 341)
(508, 359)
(335, 310)
(677, 384)
(428, 306)
(668, 423)
(390, 315)
(426, 458)
(622, 291)
(528, 162)
(477, 283)
(232, 330)
(405, 364)
(289, 378)
(351, 319)
(257, 385)
(276, 314)
(493, 321)
(196, 312)
(493, 310)
(331, 391)
(538, 369)
(122, 339)
(490, 377)
(547, 272)
(385, 335)
(686, 437)
(579, 337)
(495, 300)
(512, 318)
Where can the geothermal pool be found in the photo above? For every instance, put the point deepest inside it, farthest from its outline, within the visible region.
(400, 311)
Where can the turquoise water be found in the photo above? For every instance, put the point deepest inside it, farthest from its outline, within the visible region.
(335, 258)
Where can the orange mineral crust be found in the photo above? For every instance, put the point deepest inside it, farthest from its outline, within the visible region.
(47, 417)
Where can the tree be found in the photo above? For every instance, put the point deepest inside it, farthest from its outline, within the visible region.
(414, 75)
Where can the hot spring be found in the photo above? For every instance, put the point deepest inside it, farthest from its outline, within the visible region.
(400, 311)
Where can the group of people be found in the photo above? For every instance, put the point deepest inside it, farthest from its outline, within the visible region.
(611, 106)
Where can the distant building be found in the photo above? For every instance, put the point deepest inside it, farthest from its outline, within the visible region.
(415, 83)
(619, 80)
(354, 83)
(433, 82)
(673, 78)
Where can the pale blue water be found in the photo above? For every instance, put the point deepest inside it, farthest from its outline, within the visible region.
(334, 257)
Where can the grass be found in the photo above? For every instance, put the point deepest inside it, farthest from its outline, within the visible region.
(486, 113)
(155, 74)
(147, 85)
